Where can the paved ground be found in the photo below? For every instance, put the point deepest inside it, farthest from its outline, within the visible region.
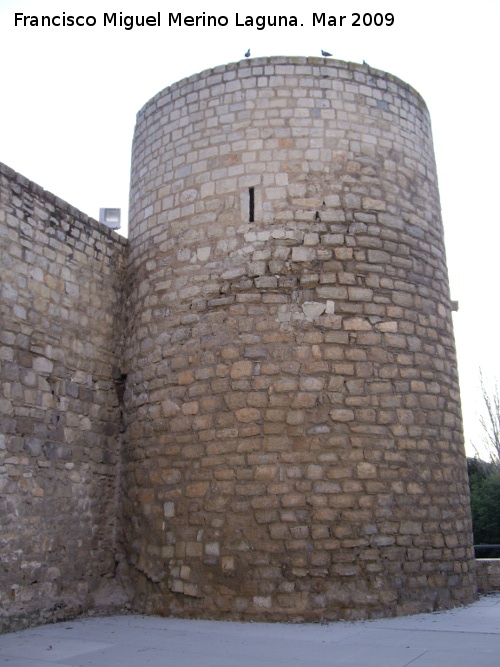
(465, 637)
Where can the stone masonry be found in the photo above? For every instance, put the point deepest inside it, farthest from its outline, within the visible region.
(60, 347)
(256, 415)
(294, 444)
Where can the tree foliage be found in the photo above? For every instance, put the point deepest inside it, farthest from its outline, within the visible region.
(484, 481)
(484, 476)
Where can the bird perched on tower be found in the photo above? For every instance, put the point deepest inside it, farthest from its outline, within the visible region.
(325, 53)
(247, 54)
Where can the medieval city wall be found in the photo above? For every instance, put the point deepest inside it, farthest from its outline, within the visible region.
(251, 408)
(61, 344)
(294, 444)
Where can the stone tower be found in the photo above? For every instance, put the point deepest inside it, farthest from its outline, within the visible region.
(293, 443)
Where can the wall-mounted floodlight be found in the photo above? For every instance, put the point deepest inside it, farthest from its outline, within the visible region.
(110, 217)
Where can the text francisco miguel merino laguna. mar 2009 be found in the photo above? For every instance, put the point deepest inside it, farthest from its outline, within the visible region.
(204, 20)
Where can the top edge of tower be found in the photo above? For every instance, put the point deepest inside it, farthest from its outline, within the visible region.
(316, 66)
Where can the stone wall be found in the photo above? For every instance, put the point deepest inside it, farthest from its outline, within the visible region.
(60, 347)
(488, 575)
(294, 444)
(255, 415)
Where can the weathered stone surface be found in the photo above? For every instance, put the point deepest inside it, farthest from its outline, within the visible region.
(324, 395)
(61, 421)
(247, 415)
(241, 369)
(313, 309)
(169, 408)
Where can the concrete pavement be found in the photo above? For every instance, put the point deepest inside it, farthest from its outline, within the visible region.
(464, 637)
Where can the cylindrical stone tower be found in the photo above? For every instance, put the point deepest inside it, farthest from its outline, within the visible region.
(293, 442)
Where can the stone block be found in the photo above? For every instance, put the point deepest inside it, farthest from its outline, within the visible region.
(313, 309)
(342, 415)
(311, 383)
(247, 415)
(42, 365)
(303, 254)
(241, 369)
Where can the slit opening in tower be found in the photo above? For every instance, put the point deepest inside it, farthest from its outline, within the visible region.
(251, 204)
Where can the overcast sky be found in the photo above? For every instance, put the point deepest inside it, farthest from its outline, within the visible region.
(69, 96)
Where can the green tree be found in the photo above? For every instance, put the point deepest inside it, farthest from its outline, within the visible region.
(484, 481)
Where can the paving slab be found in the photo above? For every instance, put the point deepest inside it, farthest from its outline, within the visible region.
(462, 637)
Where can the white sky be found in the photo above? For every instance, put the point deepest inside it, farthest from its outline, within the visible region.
(69, 97)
